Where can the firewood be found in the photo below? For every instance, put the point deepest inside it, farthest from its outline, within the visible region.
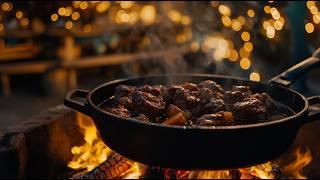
(116, 165)
(112, 168)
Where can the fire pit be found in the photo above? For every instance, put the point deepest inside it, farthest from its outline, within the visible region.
(60, 143)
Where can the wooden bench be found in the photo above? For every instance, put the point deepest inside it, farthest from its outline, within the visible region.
(19, 68)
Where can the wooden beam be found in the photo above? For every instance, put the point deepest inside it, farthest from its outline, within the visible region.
(105, 60)
(26, 67)
(5, 85)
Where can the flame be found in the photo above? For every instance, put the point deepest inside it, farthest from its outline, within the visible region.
(295, 168)
(93, 152)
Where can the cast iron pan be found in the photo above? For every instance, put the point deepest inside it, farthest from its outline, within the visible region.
(220, 147)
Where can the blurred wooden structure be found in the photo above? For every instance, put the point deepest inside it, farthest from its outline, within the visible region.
(62, 73)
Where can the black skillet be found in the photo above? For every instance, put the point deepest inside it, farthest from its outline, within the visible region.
(221, 147)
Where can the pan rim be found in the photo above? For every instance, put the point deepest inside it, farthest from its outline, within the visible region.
(233, 127)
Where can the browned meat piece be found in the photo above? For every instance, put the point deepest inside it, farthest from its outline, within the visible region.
(120, 111)
(266, 100)
(250, 109)
(211, 85)
(245, 90)
(147, 103)
(125, 102)
(185, 100)
(231, 97)
(154, 90)
(190, 86)
(218, 119)
(170, 93)
(237, 94)
(142, 117)
(123, 90)
(210, 102)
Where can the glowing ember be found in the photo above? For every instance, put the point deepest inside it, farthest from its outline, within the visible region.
(294, 169)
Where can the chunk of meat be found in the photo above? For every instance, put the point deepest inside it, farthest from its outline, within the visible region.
(147, 103)
(154, 90)
(211, 85)
(170, 92)
(142, 117)
(250, 109)
(120, 111)
(237, 94)
(210, 102)
(217, 119)
(123, 90)
(190, 86)
(245, 90)
(126, 102)
(185, 100)
(266, 100)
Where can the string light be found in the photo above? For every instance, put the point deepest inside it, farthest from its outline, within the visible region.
(68, 25)
(309, 27)
(103, 6)
(174, 15)
(248, 46)
(5, 6)
(254, 76)
(226, 21)
(68, 11)
(62, 11)
(270, 32)
(245, 63)
(236, 26)
(250, 13)
(243, 53)
(126, 4)
(83, 5)
(245, 36)
(148, 14)
(267, 9)
(225, 10)
(75, 16)
(310, 4)
(233, 55)
(19, 14)
(24, 21)
(54, 17)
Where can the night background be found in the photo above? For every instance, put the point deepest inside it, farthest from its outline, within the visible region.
(50, 48)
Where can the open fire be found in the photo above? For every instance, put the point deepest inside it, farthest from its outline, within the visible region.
(94, 152)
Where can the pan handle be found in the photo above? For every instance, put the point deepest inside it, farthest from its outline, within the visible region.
(71, 102)
(289, 76)
(314, 112)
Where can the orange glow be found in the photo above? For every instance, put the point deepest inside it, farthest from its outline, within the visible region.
(254, 76)
(103, 6)
(309, 27)
(236, 25)
(245, 36)
(250, 13)
(225, 10)
(93, 152)
(302, 159)
(245, 63)
(148, 14)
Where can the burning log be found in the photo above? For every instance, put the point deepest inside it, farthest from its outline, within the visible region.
(116, 165)
(112, 168)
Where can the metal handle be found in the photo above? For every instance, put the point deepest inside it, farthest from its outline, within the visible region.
(289, 76)
(71, 102)
(314, 112)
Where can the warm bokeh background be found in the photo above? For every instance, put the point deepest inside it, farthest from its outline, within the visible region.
(48, 48)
